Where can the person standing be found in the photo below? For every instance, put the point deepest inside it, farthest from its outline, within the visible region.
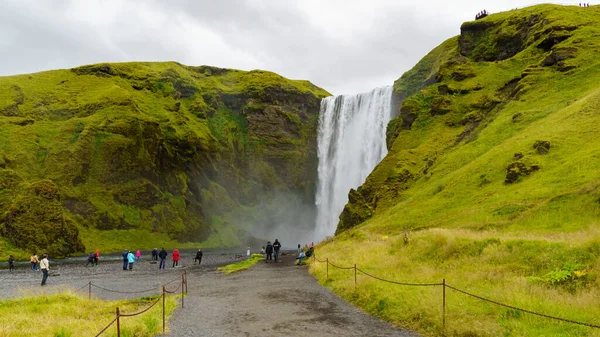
(130, 260)
(90, 259)
(299, 248)
(11, 263)
(198, 256)
(96, 257)
(175, 257)
(276, 247)
(163, 257)
(137, 256)
(45, 267)
(269, 251)
(34, 260)
(155, 254)
(248, 253)
(125, 261)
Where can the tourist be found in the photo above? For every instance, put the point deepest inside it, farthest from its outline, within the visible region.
(300, 257)
(276, 247)
(34, 260)
(155, 254)
(248, 253)
(11, 263)
(90, 259)
(269, 251)
(130, 260)
(124, 254)
(262, 251)
(175, 257)
(138, 255)
(96, 257)
(44, 266)
(163, 257)
(198, 256)
(299, 248)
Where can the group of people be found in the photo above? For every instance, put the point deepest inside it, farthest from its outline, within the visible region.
(33, 259)
(305, 253)
(93, 258)
(268, 251)
(481, 14)
(129, 258)
(584, 4)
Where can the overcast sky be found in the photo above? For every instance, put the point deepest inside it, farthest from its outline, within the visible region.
(343, 46)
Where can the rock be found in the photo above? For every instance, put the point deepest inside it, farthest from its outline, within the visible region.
(517, 117)
(559, 55)
(518, 156)
(542, 146)
(517, 169)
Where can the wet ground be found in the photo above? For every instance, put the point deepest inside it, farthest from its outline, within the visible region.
(269, 299)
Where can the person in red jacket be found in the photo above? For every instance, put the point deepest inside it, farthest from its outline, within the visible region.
(175, 258)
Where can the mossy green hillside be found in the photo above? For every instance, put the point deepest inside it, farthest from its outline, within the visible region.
(492, 172)
(157, 148)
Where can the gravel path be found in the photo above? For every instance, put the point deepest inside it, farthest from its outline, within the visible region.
(270, 299)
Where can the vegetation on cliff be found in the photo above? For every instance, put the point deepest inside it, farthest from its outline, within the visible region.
(162, 150)
(492, 172)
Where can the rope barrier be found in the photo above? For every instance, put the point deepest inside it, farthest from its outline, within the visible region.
(83, 286)
(523, 310)
(174, 291)
(143, 311)
(124, 292)
(400, 283)
(106, 327)
(338, 267)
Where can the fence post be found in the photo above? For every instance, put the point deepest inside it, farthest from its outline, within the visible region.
(185, 277)
(355, 276)
(90, 290)
(182, 282)
(118, 323)
(444, 307)
(163, 296)
(327, 262)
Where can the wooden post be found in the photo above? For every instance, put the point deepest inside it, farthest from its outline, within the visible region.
(182, 282)
(444, 306)
(327, 262)
(355, 276)
(118, 323)
(90, 290)
(163, 296)
(185, 282)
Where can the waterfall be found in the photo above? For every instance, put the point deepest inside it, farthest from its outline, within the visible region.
(351, 142)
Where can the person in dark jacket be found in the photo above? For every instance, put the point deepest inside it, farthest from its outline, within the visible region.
(163, 257)
(90, 259)
(11, 263)
(125, 261)
(269, 251)
(155, 254)
(276, 247)
(198, 256)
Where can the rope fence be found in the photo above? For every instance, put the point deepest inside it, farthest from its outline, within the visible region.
(444, 285)
(163, 295)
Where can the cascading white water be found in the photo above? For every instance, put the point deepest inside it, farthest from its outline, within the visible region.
(351, 142)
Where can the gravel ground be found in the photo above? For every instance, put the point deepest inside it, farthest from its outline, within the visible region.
(270, 299)
(108, 274)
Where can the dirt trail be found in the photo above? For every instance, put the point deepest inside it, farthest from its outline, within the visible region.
(270, 299)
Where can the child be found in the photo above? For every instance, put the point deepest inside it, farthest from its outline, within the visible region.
(248, 253)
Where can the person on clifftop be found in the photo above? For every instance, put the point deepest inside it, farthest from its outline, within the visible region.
(45, 267)
(125, 261)
(269, 251)
(198, 256)
(11, 263)
(175, 257)
(163, 257)
(276, 247)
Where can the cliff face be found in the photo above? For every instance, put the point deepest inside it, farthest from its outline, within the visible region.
(161, 148)
(488, 123)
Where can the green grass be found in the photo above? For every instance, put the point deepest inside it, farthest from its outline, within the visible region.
(516, 243)
(242, 265)
(138, 146)
(68, 314)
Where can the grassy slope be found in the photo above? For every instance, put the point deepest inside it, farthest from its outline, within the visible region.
(443, 183)
(120, 146)
(71, 315)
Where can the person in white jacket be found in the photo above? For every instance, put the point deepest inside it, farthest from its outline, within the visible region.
(45, 267)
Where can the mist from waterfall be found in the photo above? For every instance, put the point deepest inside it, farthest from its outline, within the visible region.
(351, 142)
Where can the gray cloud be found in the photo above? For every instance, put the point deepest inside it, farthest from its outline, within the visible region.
(344, 47)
